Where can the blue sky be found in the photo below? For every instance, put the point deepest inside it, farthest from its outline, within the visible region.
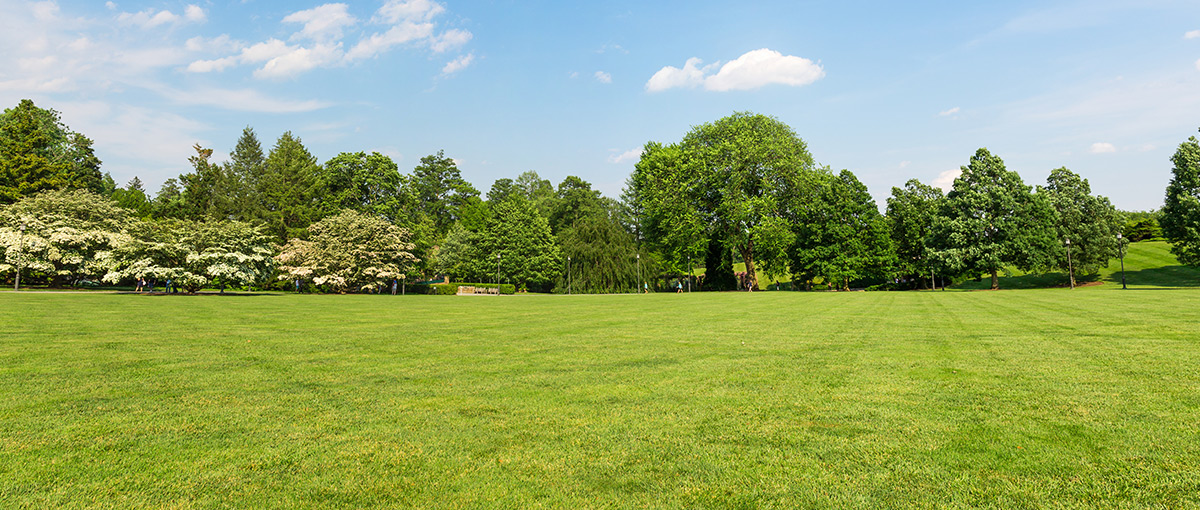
(888, 91)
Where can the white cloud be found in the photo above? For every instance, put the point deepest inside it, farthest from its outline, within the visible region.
(299, 60)
(671, 77)
(148, 18)
(752, 70)
(904, 164)
(222, 43)
(945, 180)
(322, 23)
(378, 43)
(395, 11)
(1193, 34)
(209, 66)
(44, 11)
(194, 13)
(603, 77)
(449, 40)
(624, 157)
(110, 5)
(1102, 148)
(458, 64)
(947, 113)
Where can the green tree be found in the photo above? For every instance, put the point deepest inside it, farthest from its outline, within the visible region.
(38, 152)
(575, 199)
(843, 238)
(911, 212)
(247, 167)
(288, 188)
(368, 183)
(1090, 222)
(990, 220)
(208, 191)
(133, 197)
(602, 256)
(461, 257)
(440, 191)
(349, 251)
(528, 254)
(1181, 209)
(538, 191)
(168, 202)
(729, 180)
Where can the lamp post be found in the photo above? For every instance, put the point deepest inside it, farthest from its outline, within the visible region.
(691, 273)
(568, 275)
(639, 271)
(497, 271)
(1121, 253)
(1070, 267)
(20, 257)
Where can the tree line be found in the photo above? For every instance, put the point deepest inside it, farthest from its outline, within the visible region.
(741, 190)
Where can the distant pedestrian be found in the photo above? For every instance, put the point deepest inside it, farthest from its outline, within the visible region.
(749, 285)
(393, 286)
(140, 283)
(645, 288)
(169, 285)
(297, 285)
(679, 286)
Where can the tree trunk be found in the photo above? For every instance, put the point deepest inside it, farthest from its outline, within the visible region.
(995, 279)
(748, 258)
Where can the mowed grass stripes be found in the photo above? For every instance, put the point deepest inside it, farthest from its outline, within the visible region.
(1030, 398)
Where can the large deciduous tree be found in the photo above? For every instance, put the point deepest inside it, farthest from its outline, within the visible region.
(991, 220)
(349, 251)
(1090, 222)
(66, 234)
(731, 180)
(841, 237)
(368, 183)
(1180, 219)
(528, 254)
(910, 212)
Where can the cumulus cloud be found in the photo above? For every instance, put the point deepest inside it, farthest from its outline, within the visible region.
(381, 42)
(945, 180)
(1193, 34)
(321, 23)
(450, 40)
(194, 13)
(298, 60)
(603, 77)
(624, 157)
(395, 11)
(1102, 148)
(947, 113)
(752, 70)
(148, 18)
(458, 64)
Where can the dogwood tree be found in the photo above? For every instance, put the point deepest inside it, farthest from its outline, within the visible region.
(64, 235)
(192, 254)
(349, 251)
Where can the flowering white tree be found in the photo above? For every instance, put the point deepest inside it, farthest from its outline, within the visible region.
(192, 254)
(66, 235)
(349, 251)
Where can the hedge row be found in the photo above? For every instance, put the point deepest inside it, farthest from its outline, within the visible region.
(450, 289)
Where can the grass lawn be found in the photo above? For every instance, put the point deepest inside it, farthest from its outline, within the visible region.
(1027, 398)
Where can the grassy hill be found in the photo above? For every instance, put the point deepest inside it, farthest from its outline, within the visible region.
(1147, 264)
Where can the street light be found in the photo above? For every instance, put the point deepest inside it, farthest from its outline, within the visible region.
(1070, 267)
(639, 271)
(568, 275)
(691, 273)
(20, 257)
(497, 271)
(1121, 252)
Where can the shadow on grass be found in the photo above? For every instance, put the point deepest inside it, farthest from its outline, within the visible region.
(1166, 276)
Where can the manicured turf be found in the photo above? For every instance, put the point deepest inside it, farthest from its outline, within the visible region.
(1058, 398)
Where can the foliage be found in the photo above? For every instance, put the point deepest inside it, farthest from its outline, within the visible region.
(602, 256)
(66, 234)
(574, 200)
(247, 168)
(289, 188)
(133, 197)
(842, 237)
(1090, 222)
(208, 190)
(990, 220)
(519, 239)
(1181, 210)
(460, 256)
(362, 182)
(440, 191)
(192, 254)
(911, 212)
(349, 251)
(38, 152)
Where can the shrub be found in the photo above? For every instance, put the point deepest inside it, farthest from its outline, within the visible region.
(450, 289)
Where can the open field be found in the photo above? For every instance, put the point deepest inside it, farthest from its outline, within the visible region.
(1023, 398)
